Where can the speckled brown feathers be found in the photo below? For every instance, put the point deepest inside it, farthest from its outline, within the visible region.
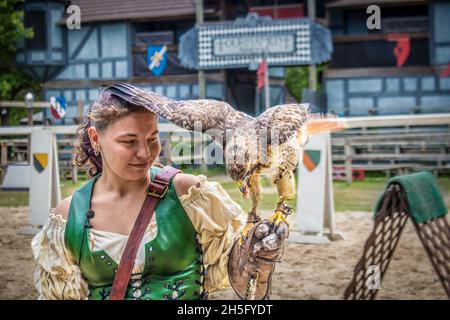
(210, 113)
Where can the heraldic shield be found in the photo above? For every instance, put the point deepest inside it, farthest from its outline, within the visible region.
(311, 159)
(40, 161)
(157, 59)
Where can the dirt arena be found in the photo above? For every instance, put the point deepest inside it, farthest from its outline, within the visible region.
(307, 272)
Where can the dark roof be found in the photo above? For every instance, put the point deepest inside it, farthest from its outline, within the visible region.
(366, 3)
(100, 10)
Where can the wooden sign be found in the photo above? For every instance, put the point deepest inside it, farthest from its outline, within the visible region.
(313, 222)
(44, 179)
(245, 41)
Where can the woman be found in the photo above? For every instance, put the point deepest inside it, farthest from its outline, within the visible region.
(184, 250)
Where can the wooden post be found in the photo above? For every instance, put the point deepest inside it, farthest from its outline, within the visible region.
(80, 110)
(312, 71)
(348, 163)
(74, 171)
(4, 160)
(201, 85)
(29, 104)
(74, 166)
(30, 116)
(440, 163)
(199, 17)
(397, 152)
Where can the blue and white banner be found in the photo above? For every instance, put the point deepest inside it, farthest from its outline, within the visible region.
(58, 107)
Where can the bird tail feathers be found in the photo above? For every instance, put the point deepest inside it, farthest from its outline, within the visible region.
(320, 124)
(325, 123)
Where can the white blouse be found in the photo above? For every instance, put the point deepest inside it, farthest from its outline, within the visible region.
(217, 219)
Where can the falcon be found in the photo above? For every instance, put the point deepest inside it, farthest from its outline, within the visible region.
(270, 144)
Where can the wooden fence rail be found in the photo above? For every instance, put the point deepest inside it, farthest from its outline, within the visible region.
(394, 143)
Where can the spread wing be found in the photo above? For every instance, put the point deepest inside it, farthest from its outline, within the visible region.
(283, 122)
(199, 115)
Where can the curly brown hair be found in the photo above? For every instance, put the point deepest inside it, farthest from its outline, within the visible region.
(102, 112)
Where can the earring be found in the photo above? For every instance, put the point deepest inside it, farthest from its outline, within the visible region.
(96, 151)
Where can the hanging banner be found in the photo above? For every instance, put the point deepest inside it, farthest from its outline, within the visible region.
(402, 49)
(58, 107)
(157, 59)
(261, 75)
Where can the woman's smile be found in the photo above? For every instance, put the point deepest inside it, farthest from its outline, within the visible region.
(140, 165)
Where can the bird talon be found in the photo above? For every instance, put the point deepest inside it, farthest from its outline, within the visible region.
(253, 217)
(280, 215)
(284, 208)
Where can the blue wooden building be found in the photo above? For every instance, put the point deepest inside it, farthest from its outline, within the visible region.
(111, 45)
(363, 77)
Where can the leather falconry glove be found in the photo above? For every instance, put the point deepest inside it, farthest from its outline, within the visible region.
(252, 258)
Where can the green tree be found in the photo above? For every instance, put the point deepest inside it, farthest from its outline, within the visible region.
(13, 82)
(297, 79)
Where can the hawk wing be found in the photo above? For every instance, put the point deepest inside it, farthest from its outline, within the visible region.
(208, 113)
(282, 122)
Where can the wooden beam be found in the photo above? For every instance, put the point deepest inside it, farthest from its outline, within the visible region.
(142, 48)
(71, 129)
(379, 72)
(398, 120)
(22, 104)
(366, 3)
(376, 37)
(162, 80)
(394, 156)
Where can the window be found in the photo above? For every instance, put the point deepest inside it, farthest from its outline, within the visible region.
(184, 91)
(36, 20)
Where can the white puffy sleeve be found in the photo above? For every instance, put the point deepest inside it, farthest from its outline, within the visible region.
(218, 220)
(56, 275)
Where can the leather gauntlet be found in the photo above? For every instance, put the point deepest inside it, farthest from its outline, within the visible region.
(252, 258)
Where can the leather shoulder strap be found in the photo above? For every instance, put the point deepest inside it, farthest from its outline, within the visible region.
(156, 191)
(161, 181)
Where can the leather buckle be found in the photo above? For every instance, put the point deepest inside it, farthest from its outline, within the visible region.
(166, 183)
(157, 195)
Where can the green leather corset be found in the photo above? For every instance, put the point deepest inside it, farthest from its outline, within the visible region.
(173, 266)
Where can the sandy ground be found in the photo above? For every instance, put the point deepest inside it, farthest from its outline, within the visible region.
(307, 271)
